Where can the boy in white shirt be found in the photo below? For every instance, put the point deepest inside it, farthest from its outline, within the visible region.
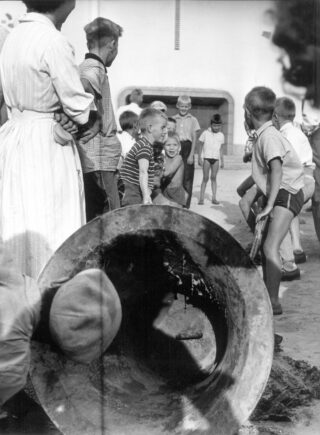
(283, 117)
(210, 153)
(129, 127)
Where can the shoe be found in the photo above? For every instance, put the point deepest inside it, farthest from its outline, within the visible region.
(277, 339)
(277, 309)
(290, 275)
(214, 201)
(201, 202)
(299, 257)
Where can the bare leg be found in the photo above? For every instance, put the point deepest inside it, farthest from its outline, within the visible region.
(214, 172)
(206, 170)
(245, 205)
(278, 228)
(295, 234)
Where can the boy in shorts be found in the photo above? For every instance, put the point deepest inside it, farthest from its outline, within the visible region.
(210, 154)
(187, 128)
(137, 171)
(278, 173)
(283, 120)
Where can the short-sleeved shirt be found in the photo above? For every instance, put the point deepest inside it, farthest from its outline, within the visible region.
(186, 126)
(102, 153)
(270, 144)
(142, 149)
(299, 141)
(212, 143)
(127, 142)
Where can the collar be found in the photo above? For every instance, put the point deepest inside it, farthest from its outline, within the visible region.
(145, 140)
(35, 16)
(95, 57)
(188, 115)
(264, 127)
(286, 126)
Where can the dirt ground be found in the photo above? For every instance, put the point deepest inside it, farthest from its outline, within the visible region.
(290, 404)
(294, 386)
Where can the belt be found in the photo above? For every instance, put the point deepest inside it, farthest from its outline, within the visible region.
(15, 113)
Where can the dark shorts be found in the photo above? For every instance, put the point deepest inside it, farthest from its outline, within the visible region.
(291, 201)
(211, 161)
(132, 194)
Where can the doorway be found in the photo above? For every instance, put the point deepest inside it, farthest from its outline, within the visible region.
(205, 103)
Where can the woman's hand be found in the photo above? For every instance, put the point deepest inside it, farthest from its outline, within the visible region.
(66, 122)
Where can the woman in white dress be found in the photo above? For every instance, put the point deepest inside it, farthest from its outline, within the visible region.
(41, 191)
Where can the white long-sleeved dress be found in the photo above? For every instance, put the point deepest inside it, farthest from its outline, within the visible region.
(41, 189)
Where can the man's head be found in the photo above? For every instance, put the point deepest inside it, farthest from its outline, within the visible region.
(259, 106)
(183, 104)
(102, 39)
(136, 96)
(129, 121)
(284, 111)
(153, 125)
(59, 9)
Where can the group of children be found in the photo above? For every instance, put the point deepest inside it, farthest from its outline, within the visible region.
(157, 163)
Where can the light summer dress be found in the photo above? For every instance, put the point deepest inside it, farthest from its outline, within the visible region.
(41, 190)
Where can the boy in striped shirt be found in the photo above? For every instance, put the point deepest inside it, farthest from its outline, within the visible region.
(137, 171)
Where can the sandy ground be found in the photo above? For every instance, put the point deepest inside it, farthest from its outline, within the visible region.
(299, 324)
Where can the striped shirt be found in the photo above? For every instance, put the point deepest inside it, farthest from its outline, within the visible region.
(142, 149)
(102, 153)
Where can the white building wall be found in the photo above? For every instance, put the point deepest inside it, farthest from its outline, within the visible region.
(221, 45)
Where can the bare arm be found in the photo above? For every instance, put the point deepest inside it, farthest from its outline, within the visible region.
(193, 147)
(221, 156)
(200, 159)
(173, 168)
(275, 181)
(143, 179)
(92, 128)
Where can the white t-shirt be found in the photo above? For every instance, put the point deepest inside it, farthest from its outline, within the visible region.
(126, 141)
(299, 141)
(212, 143)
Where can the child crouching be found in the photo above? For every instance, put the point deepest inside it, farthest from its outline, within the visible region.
(172, 180)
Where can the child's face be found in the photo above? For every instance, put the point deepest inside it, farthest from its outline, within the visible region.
(171, 147)
(183, 108)
(171, 127)
(215, 128)
(159, 129)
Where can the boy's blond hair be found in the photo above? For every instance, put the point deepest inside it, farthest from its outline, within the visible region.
(184, 99)
(148, 115)
(286, 108)
(174, 135)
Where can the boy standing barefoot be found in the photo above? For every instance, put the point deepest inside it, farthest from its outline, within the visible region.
(210, 155)
(187, 128)
(278, 172)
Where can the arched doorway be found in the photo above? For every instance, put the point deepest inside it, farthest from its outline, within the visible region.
(205, 102)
